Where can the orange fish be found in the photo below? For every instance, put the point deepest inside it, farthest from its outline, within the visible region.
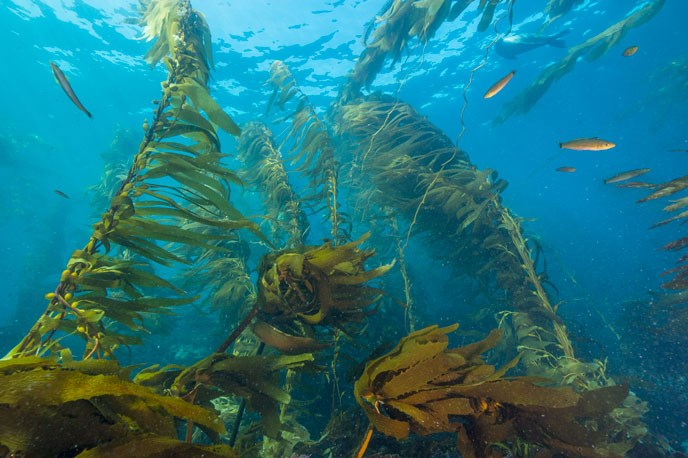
(566, 169)
(587, 144)
(499, 85)
(628, 52)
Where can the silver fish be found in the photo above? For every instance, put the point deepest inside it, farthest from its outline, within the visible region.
(513, 45)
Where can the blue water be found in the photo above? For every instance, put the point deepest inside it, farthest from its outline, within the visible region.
(600, 251)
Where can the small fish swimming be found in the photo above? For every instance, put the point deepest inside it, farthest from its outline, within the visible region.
(499, 85)
(628, 52)
(60, 193)
(512, 45)
(588, 144)
(566, 169)
(64, 84)
(623, 176)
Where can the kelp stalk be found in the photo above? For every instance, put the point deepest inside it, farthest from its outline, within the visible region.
(193, 163)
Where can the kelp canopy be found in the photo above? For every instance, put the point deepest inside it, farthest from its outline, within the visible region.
(306, 363)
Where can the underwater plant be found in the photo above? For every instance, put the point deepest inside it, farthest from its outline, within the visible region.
(97, 410)
(312, 147)
(264, 171)
(179, 145)
(400, 22)
(593, 48)
(421, 387)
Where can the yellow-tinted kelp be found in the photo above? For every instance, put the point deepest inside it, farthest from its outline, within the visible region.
(176, 176)
(51, 409)
(422, 387)
(319, 285)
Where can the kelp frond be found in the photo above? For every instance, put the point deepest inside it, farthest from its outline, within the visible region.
(422, 387)
(402, 21)
(264, 171)
(592, 48)
(312, 149)
(176, 177)
(96, 409)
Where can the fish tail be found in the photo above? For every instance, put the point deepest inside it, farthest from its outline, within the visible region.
(561, 145)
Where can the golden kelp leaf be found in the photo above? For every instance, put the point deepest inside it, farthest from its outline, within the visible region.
(157, 446)
(201, 99)
(59, 386)
(422, 387)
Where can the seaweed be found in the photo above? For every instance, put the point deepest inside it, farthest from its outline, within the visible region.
(97, 410)
(592, 48)
(264, 171)
(312, 147)
(402, 21)
(421, 387)
(318, 285)
(180, 146)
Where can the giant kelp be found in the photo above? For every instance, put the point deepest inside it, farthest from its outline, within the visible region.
(312, 149)
(422, 387)
(407, 165)
(95, 406)
(397, 25)
(592, 48)
(180, 146)
(264, 171)
(318, 285)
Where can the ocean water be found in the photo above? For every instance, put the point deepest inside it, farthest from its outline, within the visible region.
(602, 257)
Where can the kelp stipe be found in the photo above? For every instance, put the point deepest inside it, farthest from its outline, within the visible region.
(404, 154)
(179, 144)
(265, 172)
(313, 149)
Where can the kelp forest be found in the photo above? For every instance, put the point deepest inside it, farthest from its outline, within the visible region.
(318, 341)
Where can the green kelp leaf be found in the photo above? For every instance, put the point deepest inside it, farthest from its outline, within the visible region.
(187, 130)
(150, 446)
(140, 227)
(202, 100)
(193, 117)
(147, 249)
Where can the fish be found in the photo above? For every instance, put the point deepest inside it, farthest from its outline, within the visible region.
(60, 193)
(636, 184)
(566, 169)
(623, 176)
(67, 88)
(499, 85)
(512, 45)
(678, 150)
(628, 52)
(588, 144)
